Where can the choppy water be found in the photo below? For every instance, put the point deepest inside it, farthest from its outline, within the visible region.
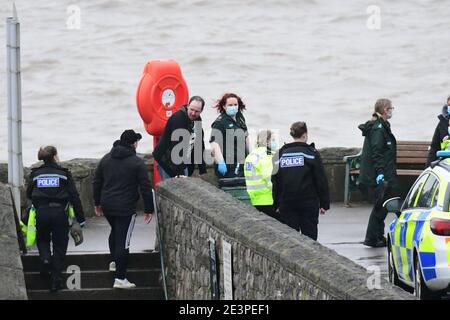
(310, 60)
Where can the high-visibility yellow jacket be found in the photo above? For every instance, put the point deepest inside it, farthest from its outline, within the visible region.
(29, 230)
(258, 174)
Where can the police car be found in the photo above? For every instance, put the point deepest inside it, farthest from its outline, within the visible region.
(419, 237)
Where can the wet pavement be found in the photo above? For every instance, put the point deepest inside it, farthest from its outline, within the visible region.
(343, 230)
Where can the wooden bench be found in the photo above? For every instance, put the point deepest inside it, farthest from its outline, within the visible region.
(411, 159)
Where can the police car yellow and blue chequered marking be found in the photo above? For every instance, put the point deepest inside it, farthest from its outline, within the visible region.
(404, 238)
(403, 230)
(428, 262)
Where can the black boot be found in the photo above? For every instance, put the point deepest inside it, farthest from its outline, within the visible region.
(55, 284)
(45, 270)
(379, 243)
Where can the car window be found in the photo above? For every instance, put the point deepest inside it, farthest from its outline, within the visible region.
(435, 196)
(412, 195)
(429, 194)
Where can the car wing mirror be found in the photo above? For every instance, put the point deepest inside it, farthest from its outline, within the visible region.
(393, 205)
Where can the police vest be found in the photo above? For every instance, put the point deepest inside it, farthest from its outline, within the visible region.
(258, 174)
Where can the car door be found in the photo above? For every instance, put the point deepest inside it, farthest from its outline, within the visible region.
(401, 248)
(424, 204)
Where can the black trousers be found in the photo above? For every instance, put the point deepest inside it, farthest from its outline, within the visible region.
(119, 241)
(269, 210)
(375, 227)
(302, 216)
(52, 225)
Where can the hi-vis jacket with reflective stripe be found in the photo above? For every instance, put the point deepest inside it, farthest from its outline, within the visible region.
(29, 230)
(258, 171)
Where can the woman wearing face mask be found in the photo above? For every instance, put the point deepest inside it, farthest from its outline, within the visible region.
(229, 137)
(441, 133)
(378, 167)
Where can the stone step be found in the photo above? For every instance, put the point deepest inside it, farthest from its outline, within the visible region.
(143, 293)
(97, 261)
(96, 279)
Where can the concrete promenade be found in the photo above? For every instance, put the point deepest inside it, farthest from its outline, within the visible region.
(343, 230)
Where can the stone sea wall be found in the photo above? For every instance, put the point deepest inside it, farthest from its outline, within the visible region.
(12, 281)
(269, 259)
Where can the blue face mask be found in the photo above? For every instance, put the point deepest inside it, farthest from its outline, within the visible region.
(273, 146)
(232, 110)
(448, 109)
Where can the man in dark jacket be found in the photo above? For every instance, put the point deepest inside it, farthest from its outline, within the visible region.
(441, 133)
(300, 186)
(182, 146)
(117, 179)
(378, 167)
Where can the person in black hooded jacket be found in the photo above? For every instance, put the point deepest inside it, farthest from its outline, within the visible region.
(441, 133)
(299, 184)
(117, 179)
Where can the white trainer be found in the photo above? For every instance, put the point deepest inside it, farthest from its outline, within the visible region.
(112, 266)
(123, 284)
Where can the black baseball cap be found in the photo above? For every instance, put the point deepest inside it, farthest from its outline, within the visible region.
(130, 137)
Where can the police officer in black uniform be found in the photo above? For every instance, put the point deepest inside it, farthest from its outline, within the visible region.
(300, 186)
(51, 188)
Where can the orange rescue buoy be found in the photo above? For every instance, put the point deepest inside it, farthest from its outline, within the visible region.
(161, 92)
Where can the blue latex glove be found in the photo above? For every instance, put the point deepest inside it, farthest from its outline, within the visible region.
(222, 167)
(380, 178)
